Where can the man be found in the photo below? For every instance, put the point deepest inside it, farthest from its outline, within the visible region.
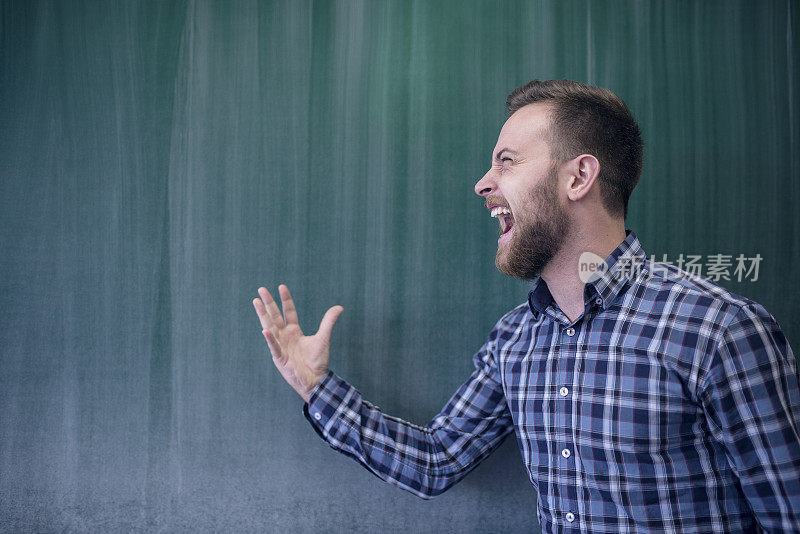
(642, 398)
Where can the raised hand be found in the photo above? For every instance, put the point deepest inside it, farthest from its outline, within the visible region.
(302, 360)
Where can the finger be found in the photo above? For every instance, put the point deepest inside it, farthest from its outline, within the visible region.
(274, 347)
(261, 310)
(272, 308)
(289, 311)
(328, 320)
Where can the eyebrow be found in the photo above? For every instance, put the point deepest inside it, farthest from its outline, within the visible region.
(500, 152)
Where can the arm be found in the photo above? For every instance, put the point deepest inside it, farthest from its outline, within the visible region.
(752, 399)
(425, 460)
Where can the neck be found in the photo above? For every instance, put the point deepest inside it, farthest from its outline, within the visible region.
(561, 274)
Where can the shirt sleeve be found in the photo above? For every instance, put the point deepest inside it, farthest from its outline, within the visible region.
(752, 402)
(425, 460)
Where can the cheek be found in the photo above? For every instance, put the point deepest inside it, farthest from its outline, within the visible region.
(524, 205)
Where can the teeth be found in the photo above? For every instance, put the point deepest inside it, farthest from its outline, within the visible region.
(500, 211)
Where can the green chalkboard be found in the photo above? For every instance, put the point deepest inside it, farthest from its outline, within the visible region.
(161, 160)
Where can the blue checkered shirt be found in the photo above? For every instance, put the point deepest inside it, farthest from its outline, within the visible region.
(669, 405)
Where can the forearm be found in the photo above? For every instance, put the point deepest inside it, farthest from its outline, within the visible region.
(425, 460)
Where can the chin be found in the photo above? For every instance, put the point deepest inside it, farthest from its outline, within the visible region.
(501, 261)
(523, 266)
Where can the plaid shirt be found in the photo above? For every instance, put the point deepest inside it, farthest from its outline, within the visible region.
(669, 405)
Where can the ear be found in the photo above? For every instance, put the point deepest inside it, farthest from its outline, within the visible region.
(583, 172)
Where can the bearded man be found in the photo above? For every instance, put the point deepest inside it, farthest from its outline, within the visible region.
(642, 398)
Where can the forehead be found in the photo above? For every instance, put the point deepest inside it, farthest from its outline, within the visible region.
(527, 128)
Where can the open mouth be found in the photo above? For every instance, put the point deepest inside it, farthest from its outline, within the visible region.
(503, 215)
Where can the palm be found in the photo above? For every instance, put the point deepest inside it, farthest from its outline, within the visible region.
(302, 360)
(304, 355)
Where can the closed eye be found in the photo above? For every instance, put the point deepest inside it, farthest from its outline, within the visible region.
(502, 160)
(503, 155)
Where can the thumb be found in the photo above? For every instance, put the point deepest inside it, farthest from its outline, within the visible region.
(326, 325)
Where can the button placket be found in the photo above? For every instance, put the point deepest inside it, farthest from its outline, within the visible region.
(570, 343)
(564, 422)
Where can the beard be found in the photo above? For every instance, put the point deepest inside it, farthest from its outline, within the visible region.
(536, 241)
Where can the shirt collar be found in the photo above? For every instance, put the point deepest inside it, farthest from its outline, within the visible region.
(608, 281)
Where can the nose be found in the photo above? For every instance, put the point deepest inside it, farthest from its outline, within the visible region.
(485, 185)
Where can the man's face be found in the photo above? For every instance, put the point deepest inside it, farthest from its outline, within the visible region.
(521, 189)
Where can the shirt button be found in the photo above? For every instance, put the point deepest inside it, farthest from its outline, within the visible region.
(564, 391)
(598, 301)
(570, 331)
(317, 416)
(570, 517)
(565, 453)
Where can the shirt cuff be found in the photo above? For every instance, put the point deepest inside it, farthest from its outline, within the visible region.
(326, 402)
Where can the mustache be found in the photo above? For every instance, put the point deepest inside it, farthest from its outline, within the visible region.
(495, 201)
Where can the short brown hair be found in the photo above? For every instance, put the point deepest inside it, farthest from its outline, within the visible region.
(590, 120)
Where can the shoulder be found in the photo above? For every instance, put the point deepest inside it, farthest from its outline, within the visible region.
(687, 295)
(508, 328)
(736, 328)
(510, 324)
(515, 316)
